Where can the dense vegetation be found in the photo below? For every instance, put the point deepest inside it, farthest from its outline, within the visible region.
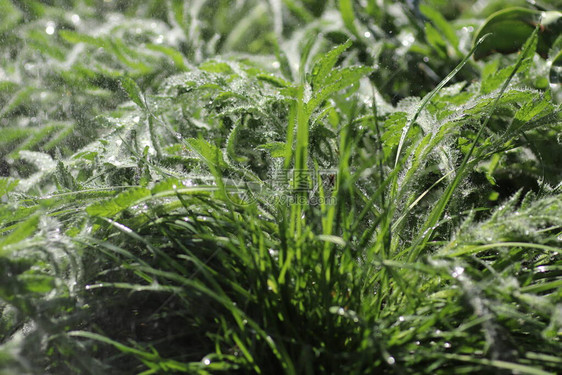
(280, 187)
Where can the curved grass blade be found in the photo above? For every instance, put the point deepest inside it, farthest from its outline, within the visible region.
(430, 96)
(428, 228)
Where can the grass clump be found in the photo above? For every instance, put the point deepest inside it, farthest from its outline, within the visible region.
(182, 194)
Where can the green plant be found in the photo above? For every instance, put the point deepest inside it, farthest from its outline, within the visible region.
(243, 202)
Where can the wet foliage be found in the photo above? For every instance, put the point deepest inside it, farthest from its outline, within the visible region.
(280, 187)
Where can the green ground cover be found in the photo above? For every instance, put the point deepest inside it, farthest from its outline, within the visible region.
(280, 187)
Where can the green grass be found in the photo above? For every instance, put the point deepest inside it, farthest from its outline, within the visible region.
(276, 187)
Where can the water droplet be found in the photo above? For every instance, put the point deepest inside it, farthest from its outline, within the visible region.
(457, 271)
(447, 345)
(408, 40)
(426, 59)
(159, 39)
(50, 29)
(206, 361)
(75, 19)
(275, 65)
(401, 318)
(367, 34)
(390, 360)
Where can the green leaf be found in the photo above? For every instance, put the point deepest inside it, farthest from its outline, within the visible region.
(7, 185)
(348, 16)
(276, 149)
(231, 144)
(174, 55)
(211, 154)
(167, 185)
(123, 201)
(511, 27)
(133, 91)
(18, 99)
(21, 232)
(74, 37)
(435, 39)
(10, 15)
(324, 65)
(336, 81)
(273, 80)
(64, 178)
(37, 283)
(441, 24)
(216, 67)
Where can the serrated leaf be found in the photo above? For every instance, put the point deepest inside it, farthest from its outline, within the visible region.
(324, 65)
(211, 154)
(133, 91)
(111, 207)
(532, 108)
(64, 178)
(336, 81)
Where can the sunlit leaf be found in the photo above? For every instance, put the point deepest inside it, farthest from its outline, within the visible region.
(511, 27)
